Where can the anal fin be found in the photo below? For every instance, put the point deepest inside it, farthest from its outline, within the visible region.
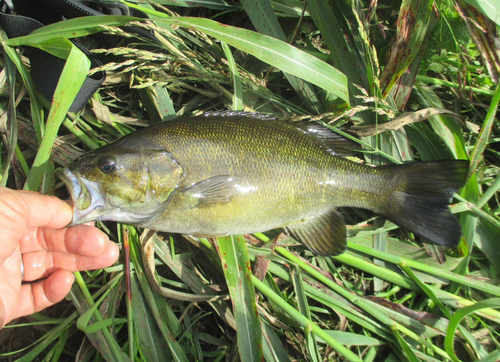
(324, 235)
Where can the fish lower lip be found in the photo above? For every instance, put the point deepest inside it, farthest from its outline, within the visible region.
(71, 182)
(88, 202)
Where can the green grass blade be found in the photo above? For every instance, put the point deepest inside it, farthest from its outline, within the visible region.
(102, 338)
(83, 322)
(398, 279)
(354, 339)
(37, 113)
(12, 120)
(158, 102)
(426, 142)
(235, 76)
(484, 134)
(445, 127)
(153, 346)
(155, 303)
(236, 266)
(47, 339)
(303, 321)
(492, 357)
(274, 351)
(425, 267)
(458, 316)
(472, 341)
(72, 77)
(304, 309)
(489, 193)
(410, 355)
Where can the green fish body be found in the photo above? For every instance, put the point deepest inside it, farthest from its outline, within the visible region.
(236, 173)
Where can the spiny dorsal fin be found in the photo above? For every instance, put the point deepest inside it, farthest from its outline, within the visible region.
(226, 114)
(324, 235)
(337, 145)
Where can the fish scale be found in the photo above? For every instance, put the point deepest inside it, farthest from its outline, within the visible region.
(239, 173)
(267, 163)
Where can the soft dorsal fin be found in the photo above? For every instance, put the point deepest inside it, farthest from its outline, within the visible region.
(338, 145)
(227, 114)
(325, 234)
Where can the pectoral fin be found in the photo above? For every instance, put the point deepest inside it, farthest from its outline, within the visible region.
(218, 189)
(324, 235)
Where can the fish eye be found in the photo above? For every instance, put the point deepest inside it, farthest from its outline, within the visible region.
(107, 164)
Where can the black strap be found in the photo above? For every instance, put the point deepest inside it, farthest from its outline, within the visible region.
(46, 68)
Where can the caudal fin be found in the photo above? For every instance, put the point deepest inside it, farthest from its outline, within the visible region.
(420, 201)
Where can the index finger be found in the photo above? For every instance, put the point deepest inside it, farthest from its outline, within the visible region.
(33, 209)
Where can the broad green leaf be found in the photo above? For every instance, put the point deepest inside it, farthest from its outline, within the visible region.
(270, 50)
(428, 145)
(345, 38)
(274, 52)
(490, 8)
(266, 22)
(210, 4)
(445, 127)
(236, 265)
(68, 29)
(414, 17)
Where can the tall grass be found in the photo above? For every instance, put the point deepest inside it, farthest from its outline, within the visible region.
(390, 297)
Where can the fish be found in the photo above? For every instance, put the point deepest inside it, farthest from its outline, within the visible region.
(232, 173)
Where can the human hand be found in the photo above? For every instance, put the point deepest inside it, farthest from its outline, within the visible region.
(33, 227)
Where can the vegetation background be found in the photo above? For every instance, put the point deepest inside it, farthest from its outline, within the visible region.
(415, 80)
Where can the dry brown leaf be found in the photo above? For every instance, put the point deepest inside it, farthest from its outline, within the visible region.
(397, 123)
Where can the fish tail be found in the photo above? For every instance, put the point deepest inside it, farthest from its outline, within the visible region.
(420, 200)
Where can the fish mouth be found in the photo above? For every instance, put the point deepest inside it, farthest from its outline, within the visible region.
(89, 202)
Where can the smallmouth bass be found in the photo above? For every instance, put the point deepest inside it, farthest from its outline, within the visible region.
(228, 173)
